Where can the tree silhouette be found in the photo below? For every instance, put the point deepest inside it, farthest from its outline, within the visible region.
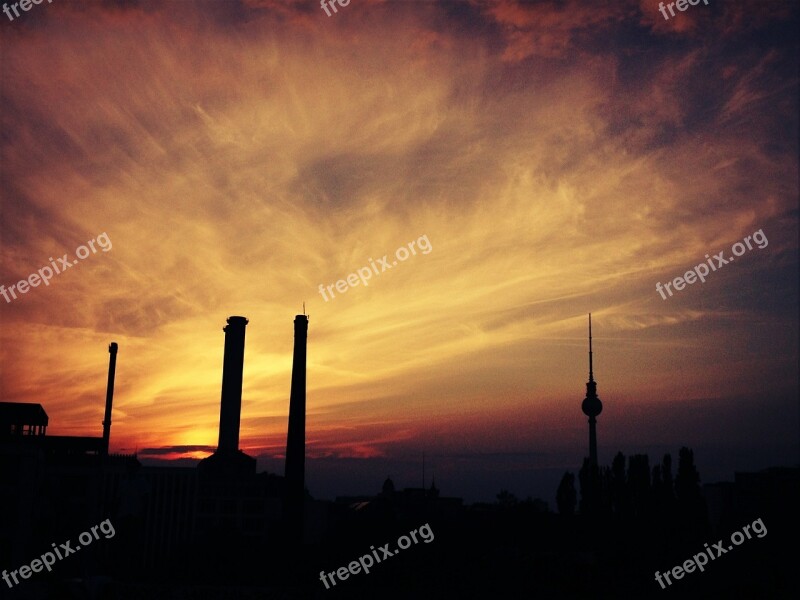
(589, 477)
(639, 483)
(566, 496)
(666, 475)
(618, 488)
(506, 499)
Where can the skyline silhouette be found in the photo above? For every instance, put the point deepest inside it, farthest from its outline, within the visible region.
(210, 524)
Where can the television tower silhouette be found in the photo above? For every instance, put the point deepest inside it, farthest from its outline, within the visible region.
(591, 405)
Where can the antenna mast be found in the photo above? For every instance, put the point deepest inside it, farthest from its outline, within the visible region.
(591, 376)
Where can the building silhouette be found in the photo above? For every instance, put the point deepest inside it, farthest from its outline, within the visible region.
(53, 487)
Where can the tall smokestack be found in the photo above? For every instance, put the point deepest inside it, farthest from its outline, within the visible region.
(112, 367)
(232, 367)
(296, 439)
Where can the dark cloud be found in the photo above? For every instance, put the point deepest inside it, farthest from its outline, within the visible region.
(165, 450)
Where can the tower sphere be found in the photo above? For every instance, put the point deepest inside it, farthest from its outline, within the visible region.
(591, 405)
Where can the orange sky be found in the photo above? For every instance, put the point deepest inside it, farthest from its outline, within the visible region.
(560, 159)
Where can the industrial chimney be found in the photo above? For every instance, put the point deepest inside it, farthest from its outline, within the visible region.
(112, 367)
(296, 439)
(228, 461)
(232, 368)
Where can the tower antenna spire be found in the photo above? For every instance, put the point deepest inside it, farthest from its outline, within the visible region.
(591, 375)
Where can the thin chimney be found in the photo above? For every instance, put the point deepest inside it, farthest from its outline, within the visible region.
(296, 439)
(112, 367)
(232, 368)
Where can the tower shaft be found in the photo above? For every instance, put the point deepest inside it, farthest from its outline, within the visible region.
(593, 440)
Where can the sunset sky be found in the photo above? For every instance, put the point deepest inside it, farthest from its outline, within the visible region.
(562, 157)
